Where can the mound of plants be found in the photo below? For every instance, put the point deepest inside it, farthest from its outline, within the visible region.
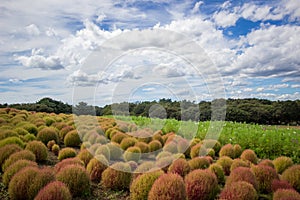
(265, 175)
(55, 190)
(240, 190)
(238, 163)
(12, 140)
(39, 149)
(128, 142)
(198, 163)
(242, 174)
(21, 155)
(198, 150)
(227, 150)
(218, 171)
(8, 150)
(282, 163)
(68, 161)
(47, 134)
(292, 175)
(132, 154)
(286, 194)
(115, 151)
(67, 152)
(249, 155)
(72, 139)
(104, 150)
(96, 166)
(180, 167)
(280, 184)
(85, 156)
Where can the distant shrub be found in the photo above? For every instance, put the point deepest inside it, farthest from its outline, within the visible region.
(180, 167)
(12, 140)
(201, 184)
(20, 155)
(29, 137)
(76, 178)
(117, 176)
(49, 121)
(144, 147)
(171, 147)
(67, 162)
(239, 190)
(145, 167)
(63, 132)
(249, 155)
(154, 145)
(286, 194)
(118, 137)
(47, 134)
(264, 176)
(282, 163)
(55, 190)
(15, 168)
(103, 150)
(8, 150)
(50, 144)
(238, 163)
(42, 178)
(242, 174)
(237, 150)
(66, 152)
(7, 133)
(267, 162)
(141, 186)
(211, 152)
(55, 149)
(128, 142)
(168, 187)
(218, 171)
(210, 143)
(96, 166)
(198, 150)
(115, 151)
(163, 154)
(292, 175)
(31, 128)
(72, 139)
(85, 156)
(20, 183)
(39, 149)
(280, 184)
(227, 150)
(226, 163)
(132, 154)
(198, 163)
(21, 131)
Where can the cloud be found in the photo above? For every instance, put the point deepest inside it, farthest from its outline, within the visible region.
(260, 89)
(197, 6)
(295, 86)
(225, 18)
(33, 30)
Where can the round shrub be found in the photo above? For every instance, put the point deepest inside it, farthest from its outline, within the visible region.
(8, 150)
(21, 131)
(154, 145)
(118, 137)
(218, 171)
(280, 184)
(96, 166)
(66, 153)
(144, 147)
(164, 163)
(214, 144)
(7, 133)
(20, 183)
(133, 165)
(55, 190)
(282, 163)
(145, 167)
(226, 163)
(85, 156)
(128, 142)
(242, 174)
(42, 178)
(29, 137)
(76, 178)
(227, 150)
(240, 190)
(237, 150)
(132, 154)
(264, 176)
(201, 184)
(31, 128)
(238, 163)
(55, 149)
(63, 132)
(50, 144)
(163, 154)
(117, 176)
(198, 163)
(249, 155)
(170, 147)
(198, 150)
(140, 187)
(292, 175)
(211, 153)
(49, 121)
(183, 146)
(39, 149)
(12, 140)
(67, 162)
(20, 155)
(158, 136)
(47, 134)
(15, 168)
(72, 139)
(180, 167)
(286, 194)
(267, 162)
(115, 151)
(103, 150)
(168, 187)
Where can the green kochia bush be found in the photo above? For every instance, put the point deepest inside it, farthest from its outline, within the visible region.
(265, 176)
(72, 139)
(154, 145)
(115, 151)
(24, 154)
(104, 150)
(132, 154)
(39, 149)
(96, 166)
(282, 163)
(226, 163)
(117, 176)
(55, 190)
(76, 178)
(47, 134)
(85, 156)
(292, 175)
(218, 171)
(227, 150)
(198, 163)
(240, 190)
(66, 153)
(128, 142)
(12, 140)
(201, 184)
(168, 187)
(7, 150)
(66, 162)
(141, 186)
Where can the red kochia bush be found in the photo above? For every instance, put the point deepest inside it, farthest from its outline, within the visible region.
(265, 176)
(286, 194)
(227, 150)
(96, 166)
(198, 163)
(292, 175)
(24, 154)
(7, 150)
(55, 190)
(179, 166)
(39, 149)
(66, 162)
(280, 184)
(240, 190)
(249, 155)
(76, 178)
(242, 174)
(201, 184)
(168, 187)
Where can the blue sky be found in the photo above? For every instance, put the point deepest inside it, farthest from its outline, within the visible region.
(51, 48)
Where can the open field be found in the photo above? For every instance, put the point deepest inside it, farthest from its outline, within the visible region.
(62, 156)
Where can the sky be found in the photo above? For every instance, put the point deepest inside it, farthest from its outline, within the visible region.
(109, 51)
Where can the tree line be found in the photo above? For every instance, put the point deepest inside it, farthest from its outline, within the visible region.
(252, 110)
